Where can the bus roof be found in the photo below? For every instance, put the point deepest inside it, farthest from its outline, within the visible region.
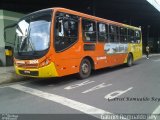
(94, 18)
(86, 16)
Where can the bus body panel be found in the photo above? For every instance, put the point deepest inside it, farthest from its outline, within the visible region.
(43, 72)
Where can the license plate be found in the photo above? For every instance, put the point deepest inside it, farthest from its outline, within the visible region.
(27, 72)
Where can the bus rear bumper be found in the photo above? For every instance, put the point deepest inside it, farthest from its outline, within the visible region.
(43, 72)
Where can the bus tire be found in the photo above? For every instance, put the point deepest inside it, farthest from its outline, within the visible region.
(84, 69)
(130, 60)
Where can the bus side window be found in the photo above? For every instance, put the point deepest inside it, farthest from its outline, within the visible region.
(102, 35)
(117, 35)
(66, 31)
(123, 35)
(113, 33)
(89, 30)
(107, 33)
(131, 36)
(137, 36)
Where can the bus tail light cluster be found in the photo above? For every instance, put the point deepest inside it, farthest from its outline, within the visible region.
(45, 62)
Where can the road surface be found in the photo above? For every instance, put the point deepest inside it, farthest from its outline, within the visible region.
(108, 92)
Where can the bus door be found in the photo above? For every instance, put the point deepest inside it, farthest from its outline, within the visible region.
(137, 44)
(132, 43)
(66, 42)
(66, 32)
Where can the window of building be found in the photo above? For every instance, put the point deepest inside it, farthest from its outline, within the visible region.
(66, 31)
(89, 30)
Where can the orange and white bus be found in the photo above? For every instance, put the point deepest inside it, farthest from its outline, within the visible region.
(57, 42)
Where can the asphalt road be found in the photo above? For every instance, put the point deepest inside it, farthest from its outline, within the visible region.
(108, 92)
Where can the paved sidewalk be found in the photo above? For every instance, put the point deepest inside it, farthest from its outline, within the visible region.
(151, 55)
(7, 75)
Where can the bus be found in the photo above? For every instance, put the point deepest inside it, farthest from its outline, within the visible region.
(56, 42)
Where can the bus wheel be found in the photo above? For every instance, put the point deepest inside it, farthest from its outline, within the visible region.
(85, 69)
(129, 60)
